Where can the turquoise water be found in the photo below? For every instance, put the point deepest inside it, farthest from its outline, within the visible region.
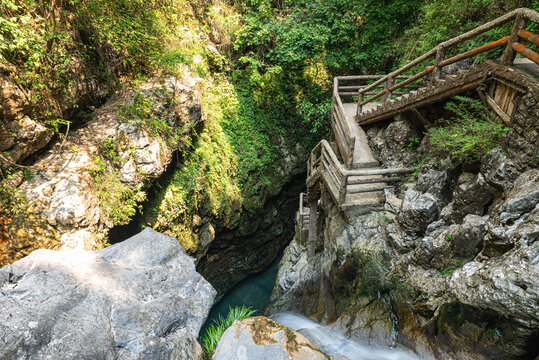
(254, 291)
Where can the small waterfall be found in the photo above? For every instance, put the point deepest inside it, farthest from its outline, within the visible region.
(335, 344)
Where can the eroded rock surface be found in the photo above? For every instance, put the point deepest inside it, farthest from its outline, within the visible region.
(140, 299)
(449, 268)
(83, 186)
(263, 339)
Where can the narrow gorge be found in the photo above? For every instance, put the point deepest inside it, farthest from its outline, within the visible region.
(309, 179)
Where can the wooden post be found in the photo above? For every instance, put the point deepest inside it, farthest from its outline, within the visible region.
(359, 101)
(342, 190)
(440, 54)
(510, 53)
(351, 149)
(313, 217)
(388, 85)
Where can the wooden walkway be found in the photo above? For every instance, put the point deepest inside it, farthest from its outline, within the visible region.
(345, 166)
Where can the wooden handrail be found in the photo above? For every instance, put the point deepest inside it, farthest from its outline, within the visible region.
(518, 15)
(331, 170)
(531, 37)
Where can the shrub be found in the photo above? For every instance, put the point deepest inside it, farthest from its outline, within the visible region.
(11, 201)
(470, 134)
(214, 332)
(118, 201)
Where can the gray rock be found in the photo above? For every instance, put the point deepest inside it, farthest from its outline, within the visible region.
(499, 170)
(471, 196)
(507, 285)
(454, 245)
(139, 299)
(437, 183)
(523, 198)
(418, 211)
(467, 241)
(260, 338)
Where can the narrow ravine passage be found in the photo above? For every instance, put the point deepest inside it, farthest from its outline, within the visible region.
(254, 292)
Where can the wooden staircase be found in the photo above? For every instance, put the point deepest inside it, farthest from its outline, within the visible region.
(345, 167)
(380, 100)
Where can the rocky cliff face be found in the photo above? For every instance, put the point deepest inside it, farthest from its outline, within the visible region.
(95, 178)
(98, 177)
(141, 299)
(232, 253)
(448, 268)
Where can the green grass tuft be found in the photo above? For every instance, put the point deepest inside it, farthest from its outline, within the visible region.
(214, 332)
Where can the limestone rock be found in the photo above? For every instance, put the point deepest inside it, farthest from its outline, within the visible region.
(499, 170)
(436, 183)
(471, 196)
(129, 156)
(507, 285)
(523, 198)
(417, 211)
(139, 299)
(260, 338)
(467, 241)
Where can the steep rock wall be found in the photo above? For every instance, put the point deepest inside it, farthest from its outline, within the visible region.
(446, 269)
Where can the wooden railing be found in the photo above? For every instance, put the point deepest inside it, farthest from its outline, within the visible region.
(324, 164)
(510, 42)
(302, 216)
(340, 127)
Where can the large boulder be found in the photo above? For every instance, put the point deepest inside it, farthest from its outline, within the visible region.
(263, 339)
(139, 299)
(417, 211)
(507, 285)
(471, 196)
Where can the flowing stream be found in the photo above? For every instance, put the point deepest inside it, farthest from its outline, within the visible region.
(335, 344)
(254, 292)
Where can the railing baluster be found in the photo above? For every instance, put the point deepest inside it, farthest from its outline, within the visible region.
(440, 55)
(387, 87)
(360, 101)
(510, 53)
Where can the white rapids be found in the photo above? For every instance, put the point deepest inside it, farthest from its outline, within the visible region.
(335, 344)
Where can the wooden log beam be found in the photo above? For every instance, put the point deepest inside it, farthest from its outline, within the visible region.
(357, 87)
(374, 189)
(369, 93)
(527, 52)
(528, 35)
(373, 181)
(476, 51)
(413, 78)
(509, 54)
(369, 172)
(498, 110)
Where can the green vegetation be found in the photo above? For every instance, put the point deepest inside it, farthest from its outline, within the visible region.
(118, 200)
(142, 112)
(455, 264)
(269, 82)
(470, 134)
(214, 332)
(11, 201)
